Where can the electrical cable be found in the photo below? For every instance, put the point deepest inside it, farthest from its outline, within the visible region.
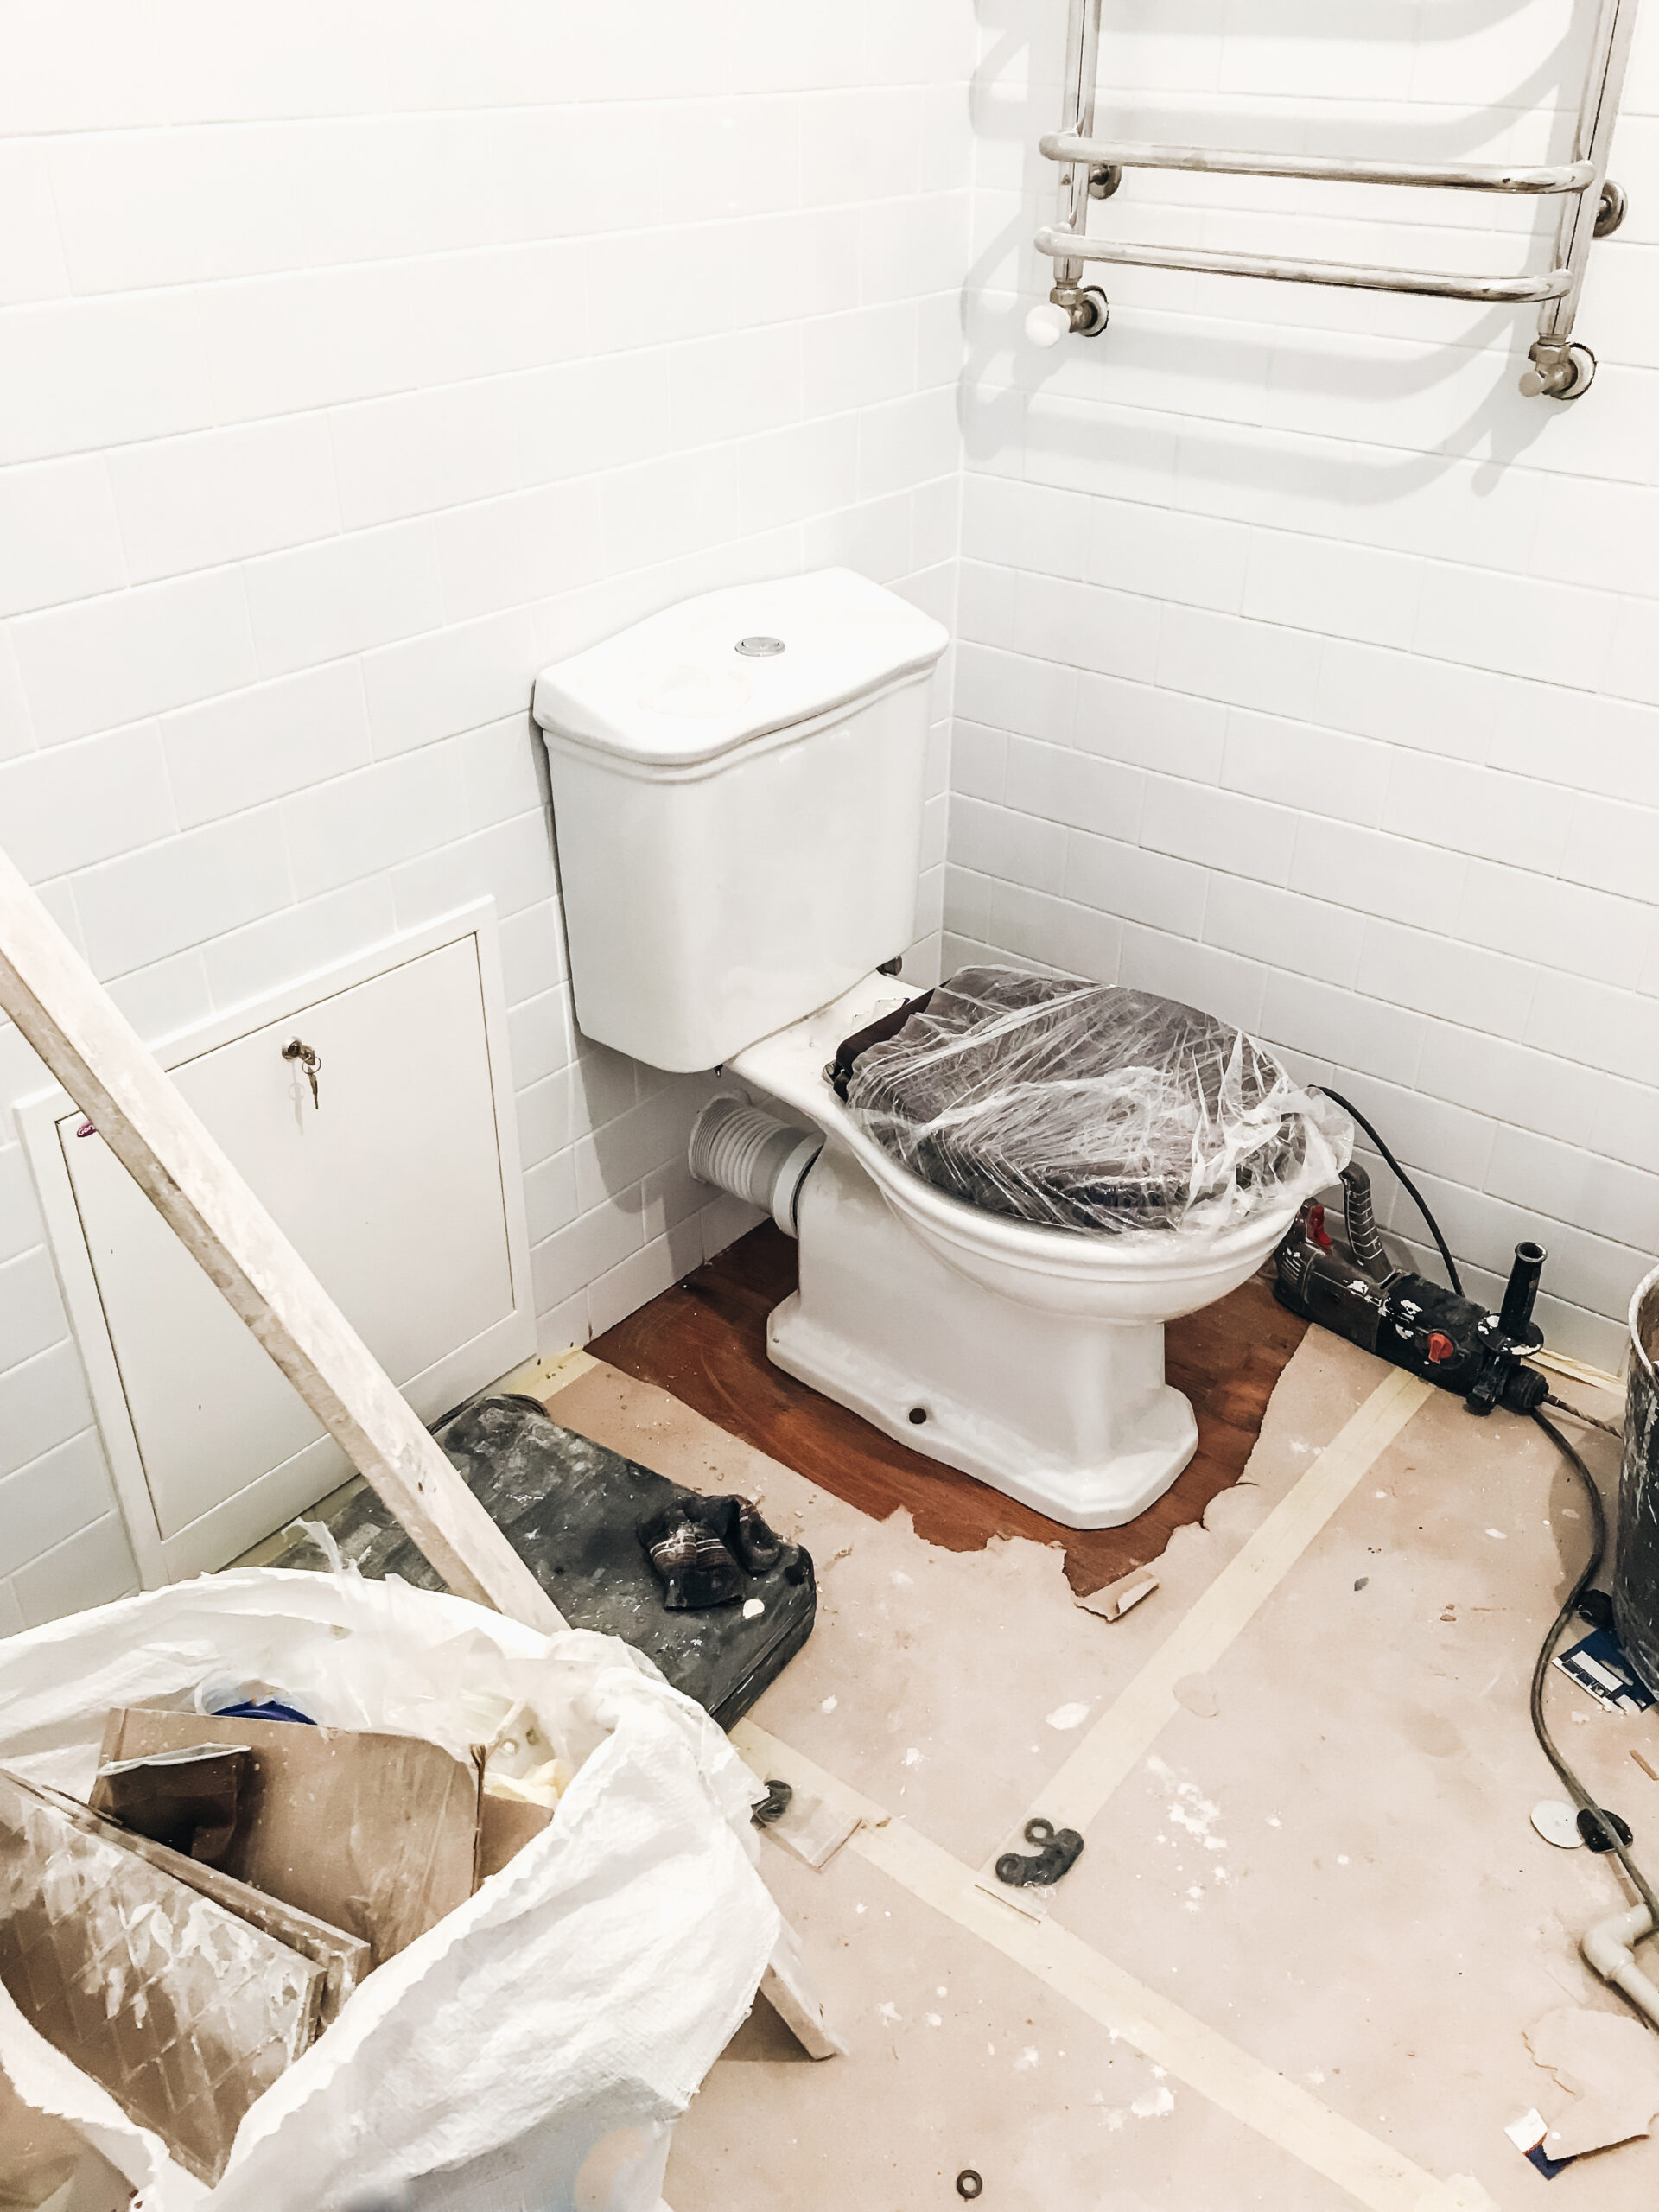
(1405, 1181)
(1575, 1790)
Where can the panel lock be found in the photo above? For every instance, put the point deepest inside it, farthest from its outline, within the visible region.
(311, 1061)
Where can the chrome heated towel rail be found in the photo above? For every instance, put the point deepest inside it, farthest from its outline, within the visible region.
(1592, 206)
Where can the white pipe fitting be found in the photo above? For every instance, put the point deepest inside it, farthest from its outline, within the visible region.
(1047, 324)
(1610, 1947)
(738, 1148)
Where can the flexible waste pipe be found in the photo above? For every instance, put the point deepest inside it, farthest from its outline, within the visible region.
(739, 1149)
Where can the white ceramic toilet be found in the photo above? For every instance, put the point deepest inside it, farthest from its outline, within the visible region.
(737, 791)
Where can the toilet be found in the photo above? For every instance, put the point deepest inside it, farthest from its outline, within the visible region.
(738, 787)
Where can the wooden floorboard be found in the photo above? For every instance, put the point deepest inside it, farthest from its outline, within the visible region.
(705, 1341)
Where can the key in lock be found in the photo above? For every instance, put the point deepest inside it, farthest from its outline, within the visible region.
(310, 1060)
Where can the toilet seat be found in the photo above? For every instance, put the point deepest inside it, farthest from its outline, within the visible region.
(1074, 1105)
(1063, 1270)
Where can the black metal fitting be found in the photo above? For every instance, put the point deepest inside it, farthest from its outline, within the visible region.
(1059, 1849)
(1599, 1827)
(774, 1804)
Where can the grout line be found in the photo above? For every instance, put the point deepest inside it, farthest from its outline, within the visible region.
(1371, 2172)
(1123, 1735)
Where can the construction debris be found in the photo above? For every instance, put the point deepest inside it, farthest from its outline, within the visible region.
(155, 2000)
(184, 2011)
(375, 1834)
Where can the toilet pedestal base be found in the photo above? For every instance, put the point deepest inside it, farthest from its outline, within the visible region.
(1071, 1416)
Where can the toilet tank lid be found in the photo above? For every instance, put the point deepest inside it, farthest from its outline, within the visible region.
(679, 687)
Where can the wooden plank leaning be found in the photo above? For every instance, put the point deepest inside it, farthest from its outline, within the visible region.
(94, 1052)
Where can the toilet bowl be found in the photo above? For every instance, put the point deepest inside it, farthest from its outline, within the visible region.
(1031, 1357)
(738, 784)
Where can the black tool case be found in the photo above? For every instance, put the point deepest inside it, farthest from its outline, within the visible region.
(571, 1508)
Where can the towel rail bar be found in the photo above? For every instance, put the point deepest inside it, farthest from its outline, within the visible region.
(1552, 284)
(1452, 176)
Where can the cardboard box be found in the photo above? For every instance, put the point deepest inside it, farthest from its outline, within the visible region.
(376, 1835)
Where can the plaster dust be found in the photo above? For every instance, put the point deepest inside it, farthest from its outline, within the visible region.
(1335, 1870)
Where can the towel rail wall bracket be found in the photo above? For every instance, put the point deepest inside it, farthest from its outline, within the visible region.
(1592, 207)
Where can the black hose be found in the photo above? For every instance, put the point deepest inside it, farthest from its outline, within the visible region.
(1411, 1189)
(1575, 1790)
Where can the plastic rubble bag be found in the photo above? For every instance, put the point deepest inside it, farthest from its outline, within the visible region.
(530, 2052)
(1088, 1106)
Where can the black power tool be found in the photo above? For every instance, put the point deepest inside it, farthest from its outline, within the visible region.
(1357, 1292)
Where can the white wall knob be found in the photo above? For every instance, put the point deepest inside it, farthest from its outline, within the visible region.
(1047, 324)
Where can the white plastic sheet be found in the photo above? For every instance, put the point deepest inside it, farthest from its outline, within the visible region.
(528, 2054)
(1089, 1106)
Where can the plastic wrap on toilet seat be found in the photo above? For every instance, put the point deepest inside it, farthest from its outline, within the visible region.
(1092, 1107)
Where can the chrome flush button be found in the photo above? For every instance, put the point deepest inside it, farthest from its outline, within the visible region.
(759, 648)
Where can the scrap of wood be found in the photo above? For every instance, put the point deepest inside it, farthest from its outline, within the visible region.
(97, 1057)
(1645, 1768)
(788, 1989)
(811, 1829)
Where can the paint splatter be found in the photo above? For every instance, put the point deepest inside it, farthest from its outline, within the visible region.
(899, 1580)
(1190, 1809)
(934, 2020)
(1152, 2104)
(890, 2012)
(912, 1756)
(1068, 1716)
(1027, 2059)
(830, 1704)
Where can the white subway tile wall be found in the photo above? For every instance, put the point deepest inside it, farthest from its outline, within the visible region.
(354, 362)
(1306, 668)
